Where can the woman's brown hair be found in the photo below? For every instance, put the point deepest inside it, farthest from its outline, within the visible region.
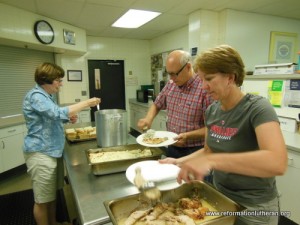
(221, 59)
(46, 73)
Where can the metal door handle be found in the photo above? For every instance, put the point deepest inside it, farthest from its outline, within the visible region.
(290, 161)
(11, 131)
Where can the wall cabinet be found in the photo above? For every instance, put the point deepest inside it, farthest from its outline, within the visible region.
(289, 187)
(11, 147)
(139, 111)
(84, 116)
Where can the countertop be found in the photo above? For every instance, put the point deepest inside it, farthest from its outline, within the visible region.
(145, 105)
(11, 121)
(292, 140)
(90, 191)
(19, 118)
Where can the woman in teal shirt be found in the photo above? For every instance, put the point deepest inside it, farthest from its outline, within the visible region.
(45, 140)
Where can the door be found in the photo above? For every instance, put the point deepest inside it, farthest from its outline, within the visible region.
(106, 81)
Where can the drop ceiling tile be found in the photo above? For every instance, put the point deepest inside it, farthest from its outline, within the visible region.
(97, 15)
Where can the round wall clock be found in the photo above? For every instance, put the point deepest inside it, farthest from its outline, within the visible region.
(44, 32)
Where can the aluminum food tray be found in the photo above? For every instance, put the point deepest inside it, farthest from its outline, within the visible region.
(121, 208)
(119, 165)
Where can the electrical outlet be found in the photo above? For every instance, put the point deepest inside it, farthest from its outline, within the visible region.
(83, 93)
(77, 100)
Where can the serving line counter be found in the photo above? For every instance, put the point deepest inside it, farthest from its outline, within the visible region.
(89, 190)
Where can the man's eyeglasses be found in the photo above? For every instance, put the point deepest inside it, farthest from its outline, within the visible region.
(176, 74)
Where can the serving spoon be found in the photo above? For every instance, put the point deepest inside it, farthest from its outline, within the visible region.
(148, 188)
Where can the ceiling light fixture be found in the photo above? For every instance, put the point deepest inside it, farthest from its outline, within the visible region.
(134, 18)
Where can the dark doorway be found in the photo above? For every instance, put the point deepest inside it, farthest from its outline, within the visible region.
(106, 81)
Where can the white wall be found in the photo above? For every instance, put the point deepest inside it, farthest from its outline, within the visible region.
(249, 33)
(16, 29)
(172, 40)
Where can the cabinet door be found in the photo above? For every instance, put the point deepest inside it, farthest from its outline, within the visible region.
(136, 113)
(141, 112)
(159, 122)
(11, 152)
(289, 187)
(84, 116)
(133, 117)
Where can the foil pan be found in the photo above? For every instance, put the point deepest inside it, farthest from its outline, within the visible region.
(121, 208)
(119, 165)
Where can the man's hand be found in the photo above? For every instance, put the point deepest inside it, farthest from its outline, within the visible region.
(143, 125)
(182, 139)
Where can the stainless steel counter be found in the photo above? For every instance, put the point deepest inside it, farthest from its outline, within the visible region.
(91, 191)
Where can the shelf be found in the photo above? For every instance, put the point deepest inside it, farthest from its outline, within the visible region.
(273, 76)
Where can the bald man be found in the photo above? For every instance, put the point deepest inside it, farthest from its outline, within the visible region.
(185, 103)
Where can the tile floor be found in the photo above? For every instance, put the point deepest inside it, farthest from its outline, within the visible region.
(19, 180)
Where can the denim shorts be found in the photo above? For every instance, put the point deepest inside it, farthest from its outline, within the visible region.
(47, 175)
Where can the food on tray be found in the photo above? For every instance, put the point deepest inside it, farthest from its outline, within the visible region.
(79, 130)
(93, 134)
(149, 138)
(81, 133)
(184, 211)
(103, 156)
(71, 133)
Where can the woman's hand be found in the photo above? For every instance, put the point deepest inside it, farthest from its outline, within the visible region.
(73, 118)
(93, 101)
(194, 169)
(168, 161)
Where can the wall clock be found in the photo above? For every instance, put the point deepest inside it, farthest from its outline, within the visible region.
(44, 32)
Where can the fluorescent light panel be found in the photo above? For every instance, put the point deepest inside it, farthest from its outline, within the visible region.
(134, 18)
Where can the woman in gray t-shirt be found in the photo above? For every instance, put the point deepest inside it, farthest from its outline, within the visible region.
(244, 145)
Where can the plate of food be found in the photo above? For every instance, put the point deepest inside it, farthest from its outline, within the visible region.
(156, 138)
(163, 175)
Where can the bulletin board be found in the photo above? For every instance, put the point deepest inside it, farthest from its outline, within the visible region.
(158, 67)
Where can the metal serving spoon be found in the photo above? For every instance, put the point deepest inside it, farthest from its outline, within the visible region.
(148, 188)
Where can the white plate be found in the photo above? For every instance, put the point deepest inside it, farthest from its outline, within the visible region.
(159, 134)
(164, 175)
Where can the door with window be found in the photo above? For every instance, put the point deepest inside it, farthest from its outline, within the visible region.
(107, 81)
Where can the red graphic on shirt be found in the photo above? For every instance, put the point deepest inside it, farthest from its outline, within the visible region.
(220, 132)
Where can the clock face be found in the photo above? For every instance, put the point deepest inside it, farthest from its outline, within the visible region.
(44, 32)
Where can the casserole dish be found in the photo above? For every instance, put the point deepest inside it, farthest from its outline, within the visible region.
(115, 166)
(121, 208)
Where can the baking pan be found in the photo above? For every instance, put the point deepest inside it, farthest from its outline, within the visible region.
(119, 165)
(80, 139)
(121, 208)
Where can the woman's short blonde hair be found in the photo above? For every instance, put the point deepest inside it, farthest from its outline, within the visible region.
(221, 59)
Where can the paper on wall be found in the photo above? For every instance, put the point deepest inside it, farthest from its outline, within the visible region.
(275, 92)
(292, 93)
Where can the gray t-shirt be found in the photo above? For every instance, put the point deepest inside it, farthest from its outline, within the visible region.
(234, 131)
